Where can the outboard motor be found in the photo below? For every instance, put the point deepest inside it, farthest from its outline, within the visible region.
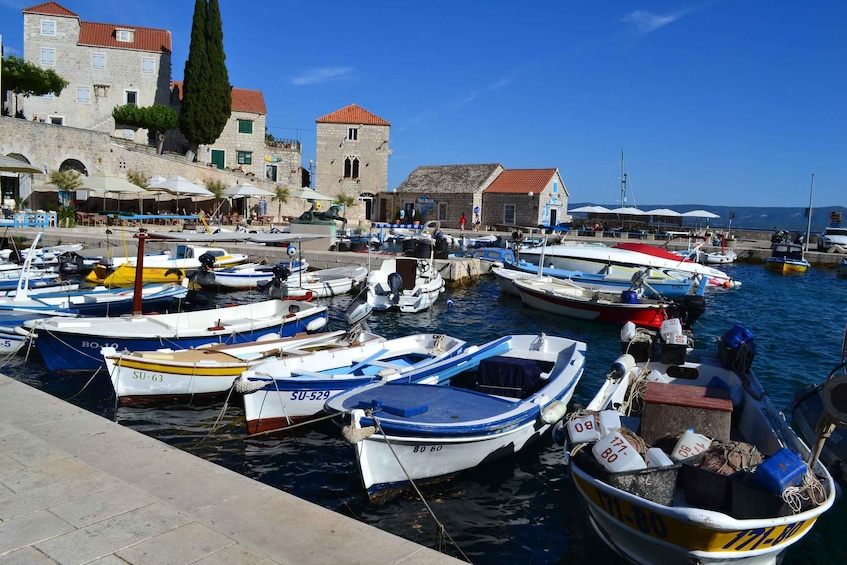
(204, 276)
(71, 264)
(281, 274)
(691, 307)
(395, 283)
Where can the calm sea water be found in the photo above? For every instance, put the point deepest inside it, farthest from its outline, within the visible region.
(523, 509)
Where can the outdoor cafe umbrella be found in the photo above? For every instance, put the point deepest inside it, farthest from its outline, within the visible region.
(182, 186)
(591, 210)
(246, 190)
(666, 213)
(13, 165)
(697, 214)
(307, 193)
(152, 186)
(627, 211)
(107, 182)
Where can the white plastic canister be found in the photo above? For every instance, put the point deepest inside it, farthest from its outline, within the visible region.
(583, 429)
(610, 421)
(690, 444)
(657, 458)
(616, 454)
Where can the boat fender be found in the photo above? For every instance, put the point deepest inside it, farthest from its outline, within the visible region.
(834, 399)
(554, 412)
(24, 332)
(315, 325)
(622, 365)
(244, 386)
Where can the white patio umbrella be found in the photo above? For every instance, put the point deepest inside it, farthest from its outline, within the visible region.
(628, 211)
(152, 186)
(182, 186)
(309, 194)
(665, 212)
(108, 182)
(246, 190)
(697, 214)
(591, 210)
(13, 165)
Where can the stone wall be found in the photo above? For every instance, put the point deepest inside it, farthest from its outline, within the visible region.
(106, 87)
(47, 145)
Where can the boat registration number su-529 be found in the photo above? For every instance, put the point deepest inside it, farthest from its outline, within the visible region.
(310, 395)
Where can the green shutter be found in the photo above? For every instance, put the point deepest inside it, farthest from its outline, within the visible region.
(245, 126)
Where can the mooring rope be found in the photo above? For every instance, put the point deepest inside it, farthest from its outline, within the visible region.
(441, 532)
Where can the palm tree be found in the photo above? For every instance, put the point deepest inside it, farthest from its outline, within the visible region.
(281, 196)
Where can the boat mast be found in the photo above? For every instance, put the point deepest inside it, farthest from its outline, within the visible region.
(809, 223)
(623, 183)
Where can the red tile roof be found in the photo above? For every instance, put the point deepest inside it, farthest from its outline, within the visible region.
(243, 100)
(50, 9)
(521, 181)
(352, 114)
(103, 35)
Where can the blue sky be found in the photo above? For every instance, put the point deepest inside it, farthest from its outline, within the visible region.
(730, 103)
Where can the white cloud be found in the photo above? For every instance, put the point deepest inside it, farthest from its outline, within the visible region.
(322, 74)
(645, 22)
(496, 85)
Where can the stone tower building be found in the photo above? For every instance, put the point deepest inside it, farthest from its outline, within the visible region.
(352, 158)
(106, 65)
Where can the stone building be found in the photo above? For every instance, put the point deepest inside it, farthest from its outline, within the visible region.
(497, 196)
(443, 193)
(351, 157)
(106, 65)
(242, 146)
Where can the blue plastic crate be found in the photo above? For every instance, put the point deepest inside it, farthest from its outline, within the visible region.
(779, 471)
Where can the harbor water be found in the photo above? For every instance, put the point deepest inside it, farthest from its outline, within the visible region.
(522, 509)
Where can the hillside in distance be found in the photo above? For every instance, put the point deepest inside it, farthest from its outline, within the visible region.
(750, 217)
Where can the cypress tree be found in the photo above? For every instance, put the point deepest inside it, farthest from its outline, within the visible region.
(206, 92)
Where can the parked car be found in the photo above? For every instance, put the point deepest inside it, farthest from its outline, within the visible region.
(832, 236)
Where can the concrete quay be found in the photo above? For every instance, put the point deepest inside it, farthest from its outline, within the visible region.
(77, 488)
(751, 247)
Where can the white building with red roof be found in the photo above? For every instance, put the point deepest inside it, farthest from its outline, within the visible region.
(106, 65)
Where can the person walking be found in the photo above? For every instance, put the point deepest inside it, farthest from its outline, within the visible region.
(462, 221)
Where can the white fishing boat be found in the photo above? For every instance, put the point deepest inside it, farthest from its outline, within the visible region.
(244, 277)
(175, 374)
(596, 258)
(280, 392)
(408, 284)
(494, 401)
(681, 457)
(322, 283)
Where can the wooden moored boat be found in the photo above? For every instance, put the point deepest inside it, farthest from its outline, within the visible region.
(495, 400)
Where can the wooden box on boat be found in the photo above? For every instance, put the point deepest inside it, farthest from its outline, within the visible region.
(670, 409)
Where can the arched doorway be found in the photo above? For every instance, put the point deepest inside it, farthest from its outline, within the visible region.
(73, 164)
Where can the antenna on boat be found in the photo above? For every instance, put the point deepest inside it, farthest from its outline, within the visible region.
(623, 183)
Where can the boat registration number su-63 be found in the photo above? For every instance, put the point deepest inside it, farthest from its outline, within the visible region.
(688, 535)
(145, 376)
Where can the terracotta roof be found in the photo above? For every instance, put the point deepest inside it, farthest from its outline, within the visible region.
(103, 35)
(50, 9)
(448, 179)
(243, 100)
(521, 181)
(352, 114)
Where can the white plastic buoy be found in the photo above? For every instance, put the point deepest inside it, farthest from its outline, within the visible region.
(616, 454)
(657, 458)
(449, 303)
(292, 251)
(554, 412)
(690, 444)
(610, 421)
(583, 429)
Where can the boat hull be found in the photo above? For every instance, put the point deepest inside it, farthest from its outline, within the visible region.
(77, 348)
(650, 315)
(786, 267)
(645, 532)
